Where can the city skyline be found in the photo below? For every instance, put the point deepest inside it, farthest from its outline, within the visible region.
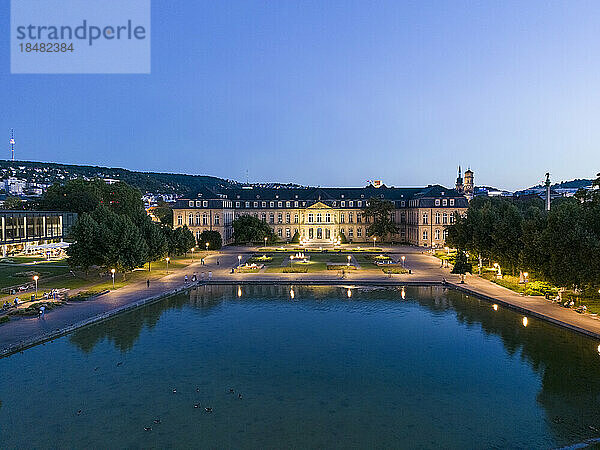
(331, 95)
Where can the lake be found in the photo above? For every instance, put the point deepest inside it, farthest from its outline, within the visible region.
(306, 366)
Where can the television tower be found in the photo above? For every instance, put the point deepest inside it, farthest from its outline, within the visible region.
(12, 143)
(547, 184)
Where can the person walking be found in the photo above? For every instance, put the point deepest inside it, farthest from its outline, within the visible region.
(185, 279)
(210, 275)
(41, 312)
(148, 283)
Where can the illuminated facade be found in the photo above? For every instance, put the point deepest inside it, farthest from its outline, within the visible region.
(322, 215)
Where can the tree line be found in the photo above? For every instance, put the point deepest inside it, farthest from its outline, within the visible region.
(112, 228)
(560, 246)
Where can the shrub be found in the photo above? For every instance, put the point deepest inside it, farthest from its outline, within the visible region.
(215, 242)
(294, 270)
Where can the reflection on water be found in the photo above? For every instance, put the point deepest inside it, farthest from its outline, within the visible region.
(472, 372)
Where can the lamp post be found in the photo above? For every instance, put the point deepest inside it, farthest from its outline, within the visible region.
(374, 239)
(239, 261)
(348, 260)
(112, 272)
(403, 258)
(207, 244)
(167, 259)
(192, 254)
(265, 239)
(36, 278)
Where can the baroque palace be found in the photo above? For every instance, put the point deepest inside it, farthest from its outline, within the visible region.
(322, 215)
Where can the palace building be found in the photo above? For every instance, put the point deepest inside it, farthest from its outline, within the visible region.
(322, 215)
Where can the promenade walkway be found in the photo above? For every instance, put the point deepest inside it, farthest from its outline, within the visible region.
(424, 267)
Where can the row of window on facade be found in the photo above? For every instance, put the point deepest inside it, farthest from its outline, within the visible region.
(15, 229)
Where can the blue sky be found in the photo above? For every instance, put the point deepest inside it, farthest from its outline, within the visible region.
(332, 94)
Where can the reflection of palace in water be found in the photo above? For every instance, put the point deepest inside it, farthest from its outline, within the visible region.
(568, 364)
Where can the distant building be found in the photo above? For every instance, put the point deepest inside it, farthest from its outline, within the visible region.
(466, 187)
(322, 215)
(15, 186)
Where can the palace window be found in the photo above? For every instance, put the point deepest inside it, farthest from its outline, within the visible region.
(191, 219)
(296, 218)
(319, 218)
(333, 204)
(343, 203)
(287, 204)
(179, 220)
(358, 218)
(403, 203)
(263, 217)
(191, 203)
(445, 234)
(197, 218)
(424, 235)
(198, 235)
(263, 204)
(295, 204)
(360, 204)
(444, 202)
(279, 232)
(271, 218)
(351, 204)
(310, 233)
(342, 218)
(255, 204)
(216, 219)
(445, 219)
(288, 233)
(327, 233)
(359, 232)
(437, 202)
(451, 218)
(424, 218)
(279, 204)
(451, 202)
(287, 217)
(198, 203)
(237, 204)
(437, 234)
(205, 219)
(279, 218)
(311, 217)
(272, 204)
(402, 217)
(319, 233)
(437, 218)
(328, 217)
(350, 232)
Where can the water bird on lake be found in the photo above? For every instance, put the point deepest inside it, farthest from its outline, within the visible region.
(79, 412)
(231, 391)
(240, 396)
(197, 389)
(147, 428)
(96, 368)
(197, 405)
(208, 409)
(120, 363)
(174, 391)
(157, 420)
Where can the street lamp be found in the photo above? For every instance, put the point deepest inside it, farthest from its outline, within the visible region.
(167, 259)
(374, 239)
(265, 239)
(403, 258)
(526, 277)
(192, 254)
(348, 260)
(239, 260)
(207, 244)
(36, 278)
(112, 272)
(447, 250)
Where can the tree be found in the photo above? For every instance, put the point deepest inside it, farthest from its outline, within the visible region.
(248, 228)
(13, 203)
(295, 238)
(380, 213)
(164, 213)
(107, 239)
(179, 240)
(461, 265)
(213, 238)
(343, 239)
(155, 237)
(82, 196)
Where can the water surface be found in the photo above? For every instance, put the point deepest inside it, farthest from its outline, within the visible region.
(427, 368)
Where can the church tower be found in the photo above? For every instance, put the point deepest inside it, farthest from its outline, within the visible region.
(459, 181)
(469, 187)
